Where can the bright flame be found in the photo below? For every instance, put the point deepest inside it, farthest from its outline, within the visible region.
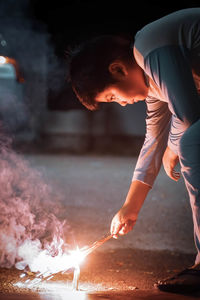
(42, 262)
(2, 60)
(77, 256)
(46, 264)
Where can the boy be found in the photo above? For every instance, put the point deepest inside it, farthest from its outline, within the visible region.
(162, 67)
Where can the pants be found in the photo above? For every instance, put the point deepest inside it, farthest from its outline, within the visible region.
(189, 154)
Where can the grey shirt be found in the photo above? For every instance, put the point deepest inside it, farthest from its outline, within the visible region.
(168, 50)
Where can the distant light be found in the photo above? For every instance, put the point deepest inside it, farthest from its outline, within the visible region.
(2, 60)
(3, 43)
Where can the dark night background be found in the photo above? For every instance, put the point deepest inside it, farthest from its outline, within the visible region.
(71, 22)
(39, 33)
(83, 160)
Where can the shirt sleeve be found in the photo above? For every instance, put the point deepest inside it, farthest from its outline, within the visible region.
(170, 68)
(157, 131)
(176, 131)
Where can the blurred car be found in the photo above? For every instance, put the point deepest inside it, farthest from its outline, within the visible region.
(12, 105)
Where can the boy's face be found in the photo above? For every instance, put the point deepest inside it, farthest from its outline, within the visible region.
(118, 94)
(130, 87)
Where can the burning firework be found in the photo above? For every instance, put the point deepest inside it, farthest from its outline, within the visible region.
(31, 231)
(46, 266)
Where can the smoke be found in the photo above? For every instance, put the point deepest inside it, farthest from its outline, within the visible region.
(29, 209)
(23, 106)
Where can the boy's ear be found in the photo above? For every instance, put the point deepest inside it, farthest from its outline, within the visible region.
(118, 69)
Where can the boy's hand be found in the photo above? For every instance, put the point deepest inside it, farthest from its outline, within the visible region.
(170, 160)
(122, 222)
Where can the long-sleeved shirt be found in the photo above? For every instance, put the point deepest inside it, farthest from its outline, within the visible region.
(168, 50)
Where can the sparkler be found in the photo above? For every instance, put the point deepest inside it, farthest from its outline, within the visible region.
(46, 265)
(76, 278)
(86, 251)
(89, 249)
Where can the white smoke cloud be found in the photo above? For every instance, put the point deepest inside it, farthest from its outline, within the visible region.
(29, 209)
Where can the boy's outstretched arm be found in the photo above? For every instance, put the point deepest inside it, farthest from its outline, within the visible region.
(126, 217)
(147, 167)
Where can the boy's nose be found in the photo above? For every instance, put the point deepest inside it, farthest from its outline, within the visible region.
(123, 103)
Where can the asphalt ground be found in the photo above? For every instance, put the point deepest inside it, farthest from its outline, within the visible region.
(93, 188)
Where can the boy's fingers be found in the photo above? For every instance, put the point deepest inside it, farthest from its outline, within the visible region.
(175, 175)
(127, 227)
(115, 228)
(118, 228)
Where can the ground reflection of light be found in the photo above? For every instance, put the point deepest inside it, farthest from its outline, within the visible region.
(54, 291)
(60, 290)
(65, 295)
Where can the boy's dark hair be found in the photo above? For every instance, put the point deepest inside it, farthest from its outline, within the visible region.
(89, 66)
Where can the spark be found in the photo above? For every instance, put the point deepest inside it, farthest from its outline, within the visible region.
(45, 265)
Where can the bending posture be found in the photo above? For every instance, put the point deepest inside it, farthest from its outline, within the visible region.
(162, 67)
